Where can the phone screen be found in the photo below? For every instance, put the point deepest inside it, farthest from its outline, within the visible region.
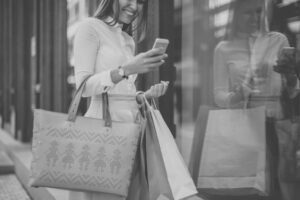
(287, 52)
(161, 43)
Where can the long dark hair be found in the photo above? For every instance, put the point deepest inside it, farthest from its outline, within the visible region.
(106, 9)
(232, 25)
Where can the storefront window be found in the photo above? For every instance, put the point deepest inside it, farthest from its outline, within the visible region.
(199, 27)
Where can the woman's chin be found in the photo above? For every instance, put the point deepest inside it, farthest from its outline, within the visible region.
(126, 20)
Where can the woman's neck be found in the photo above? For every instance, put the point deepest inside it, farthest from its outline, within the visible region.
(241, 34)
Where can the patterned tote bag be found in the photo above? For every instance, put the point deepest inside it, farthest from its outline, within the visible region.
(80, 153)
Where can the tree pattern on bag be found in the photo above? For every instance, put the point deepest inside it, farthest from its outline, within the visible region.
(68, 159)
(115, 164)
(84, 159)
(52, 156)
(100, 163)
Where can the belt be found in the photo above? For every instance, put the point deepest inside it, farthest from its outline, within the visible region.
(117, 97)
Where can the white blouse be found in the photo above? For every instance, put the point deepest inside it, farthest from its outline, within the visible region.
(234, 58)
(98, 49)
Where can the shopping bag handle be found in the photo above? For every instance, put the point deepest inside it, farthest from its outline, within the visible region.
(152, 101)
(72, 113)
(147, 105)
(105, 110)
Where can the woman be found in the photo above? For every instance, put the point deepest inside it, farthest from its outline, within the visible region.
(102, 49)
(244, 76)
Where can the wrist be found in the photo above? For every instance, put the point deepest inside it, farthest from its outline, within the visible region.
(140, 97)
(122, 72)
(115, 77)
(126, 69)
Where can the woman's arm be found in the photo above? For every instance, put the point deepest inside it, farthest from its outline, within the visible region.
(86, 46)
(154, 91)
(287, 67)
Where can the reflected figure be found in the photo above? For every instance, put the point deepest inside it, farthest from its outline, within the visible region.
(244, 76)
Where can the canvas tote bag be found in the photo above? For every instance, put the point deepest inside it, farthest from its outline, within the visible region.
(233, 159)
(80, 153)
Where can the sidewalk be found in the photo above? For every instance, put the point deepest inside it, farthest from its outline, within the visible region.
(15, 184)
(11, 188)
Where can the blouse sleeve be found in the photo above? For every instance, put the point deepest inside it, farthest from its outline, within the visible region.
(86, 47)
(222, 94)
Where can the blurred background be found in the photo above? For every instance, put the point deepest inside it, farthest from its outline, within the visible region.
(36, 59)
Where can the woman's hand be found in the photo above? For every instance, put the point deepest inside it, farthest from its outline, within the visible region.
(256, 77)
(287, 64)
(289, 68)
(157, 90)
(145, 62)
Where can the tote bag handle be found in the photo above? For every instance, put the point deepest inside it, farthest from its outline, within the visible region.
(72, 113)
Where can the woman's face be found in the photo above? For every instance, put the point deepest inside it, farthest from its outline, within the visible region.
(128, 10)
(249, 16)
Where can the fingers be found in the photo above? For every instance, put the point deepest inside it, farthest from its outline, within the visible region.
(166, 85)
(155, 59)
(154, 65)
(153, 52)
(157, 90)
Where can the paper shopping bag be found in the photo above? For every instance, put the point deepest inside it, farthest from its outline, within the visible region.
(179, 178)
(139, 187)
(234, 152)
(159, 185)
(149, 181)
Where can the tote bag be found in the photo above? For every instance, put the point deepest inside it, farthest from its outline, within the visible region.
(233, 159)
(80, 153)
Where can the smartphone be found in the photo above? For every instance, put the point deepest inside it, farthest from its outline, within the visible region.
(286, 55)
(161, 43)
(287, 52)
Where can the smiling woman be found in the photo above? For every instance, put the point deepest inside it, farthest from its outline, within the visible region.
(124, 11)
(104, 52)
(128, 12)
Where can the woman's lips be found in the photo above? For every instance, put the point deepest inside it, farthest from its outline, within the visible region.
(129, 12)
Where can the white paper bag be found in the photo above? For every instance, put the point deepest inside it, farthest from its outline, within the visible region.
(234, 151)
(180, 180)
